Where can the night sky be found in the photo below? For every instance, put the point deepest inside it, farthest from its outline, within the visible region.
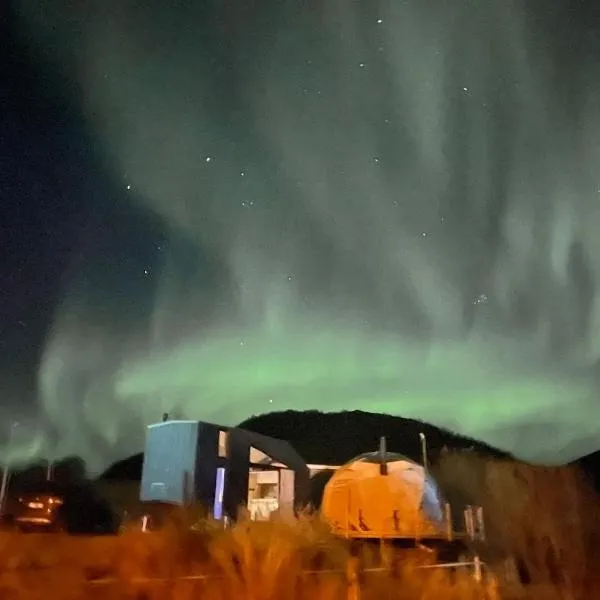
(220, 209)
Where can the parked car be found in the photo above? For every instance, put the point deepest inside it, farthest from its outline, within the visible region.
(38, 512)
(74, 508)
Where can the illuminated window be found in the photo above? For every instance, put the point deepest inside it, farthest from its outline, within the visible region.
(219, 491)
(257, 457)
(223, 435)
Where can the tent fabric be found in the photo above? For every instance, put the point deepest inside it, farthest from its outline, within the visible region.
(360, 501)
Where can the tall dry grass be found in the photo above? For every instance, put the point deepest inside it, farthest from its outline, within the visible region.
(544, 517)
(545, 520)
(186, 560)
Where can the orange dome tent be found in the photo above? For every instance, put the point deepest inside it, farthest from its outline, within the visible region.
(383, 496)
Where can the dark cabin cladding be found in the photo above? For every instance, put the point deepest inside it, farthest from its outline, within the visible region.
(195, 462)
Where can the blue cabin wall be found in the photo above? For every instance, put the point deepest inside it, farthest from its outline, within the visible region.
(169, 468)
(180, 463)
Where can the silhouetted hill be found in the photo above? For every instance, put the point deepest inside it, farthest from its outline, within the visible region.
(335, 438)
(590, 465)
(128, 469)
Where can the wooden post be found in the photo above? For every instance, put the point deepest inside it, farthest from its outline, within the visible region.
(448, 519)
(352, 579)
(480, 524)
(468, 515)
(477, 568)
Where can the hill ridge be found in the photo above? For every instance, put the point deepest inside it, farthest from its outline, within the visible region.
(334, 438)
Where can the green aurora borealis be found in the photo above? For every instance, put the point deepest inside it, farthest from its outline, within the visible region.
(399, 209)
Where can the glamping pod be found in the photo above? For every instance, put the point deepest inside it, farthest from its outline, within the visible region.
(383, 495)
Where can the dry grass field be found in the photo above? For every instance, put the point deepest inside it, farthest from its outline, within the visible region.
(546, 517)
